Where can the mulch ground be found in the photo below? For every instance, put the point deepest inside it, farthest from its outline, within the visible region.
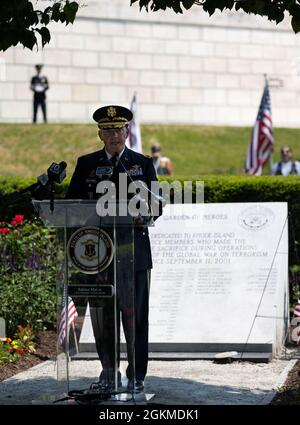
(290, 392)
(46, 349)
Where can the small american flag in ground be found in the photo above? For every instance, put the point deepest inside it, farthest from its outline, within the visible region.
(72, 314)
(261, 143)
(297, 309)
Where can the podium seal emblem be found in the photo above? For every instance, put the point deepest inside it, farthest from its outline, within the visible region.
(90, 250)
(256, 218)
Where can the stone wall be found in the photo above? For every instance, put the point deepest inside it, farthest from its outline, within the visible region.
(186, 69)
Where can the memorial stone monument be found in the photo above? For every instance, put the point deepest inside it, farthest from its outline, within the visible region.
(220, 279)
(219, 282)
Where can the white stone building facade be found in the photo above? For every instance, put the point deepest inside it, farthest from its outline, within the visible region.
(186, 69)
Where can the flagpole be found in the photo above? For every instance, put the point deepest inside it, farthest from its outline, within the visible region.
(271, 154)
(75, 338)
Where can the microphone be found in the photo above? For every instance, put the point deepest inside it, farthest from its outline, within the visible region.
(57, 172)
(43, 180)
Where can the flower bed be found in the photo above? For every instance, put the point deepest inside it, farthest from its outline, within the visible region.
(45, 349)
(21, 345)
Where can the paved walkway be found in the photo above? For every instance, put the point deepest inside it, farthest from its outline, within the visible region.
(197, 382)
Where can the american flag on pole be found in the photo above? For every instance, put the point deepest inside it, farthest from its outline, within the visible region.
(72, 314)
(261, 143)
(134, 140)
(297, 309)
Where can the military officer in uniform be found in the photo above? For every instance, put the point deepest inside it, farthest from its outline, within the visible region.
(39, 85)
(113, 131)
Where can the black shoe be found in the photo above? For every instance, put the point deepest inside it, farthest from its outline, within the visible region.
(107, 381)
(137, 386)
(109, 385)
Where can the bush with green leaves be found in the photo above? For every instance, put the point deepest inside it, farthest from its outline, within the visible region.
(28, 274)
(26, 297)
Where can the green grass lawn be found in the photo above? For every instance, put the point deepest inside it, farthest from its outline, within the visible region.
(27, 150)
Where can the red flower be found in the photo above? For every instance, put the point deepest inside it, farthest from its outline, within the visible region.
(3, 231)
(18, 219)
(20, 351)
(20, 329)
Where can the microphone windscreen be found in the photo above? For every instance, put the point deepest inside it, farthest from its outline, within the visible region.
(62, 165)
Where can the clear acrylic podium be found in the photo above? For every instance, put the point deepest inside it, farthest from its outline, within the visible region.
(95, 293)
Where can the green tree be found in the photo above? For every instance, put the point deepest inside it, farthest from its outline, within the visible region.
(21, 21)
(274, 10)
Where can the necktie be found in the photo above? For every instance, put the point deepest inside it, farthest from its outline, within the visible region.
(114, 160)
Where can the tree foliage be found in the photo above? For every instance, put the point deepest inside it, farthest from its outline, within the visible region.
(274, 10)
(21, 22)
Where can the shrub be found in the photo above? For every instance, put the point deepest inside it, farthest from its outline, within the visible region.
(28, 271)
(27, 298)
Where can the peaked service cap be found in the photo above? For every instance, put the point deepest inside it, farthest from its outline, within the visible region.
(112, 116)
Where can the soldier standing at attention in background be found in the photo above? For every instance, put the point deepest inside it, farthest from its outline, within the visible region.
(39, 86)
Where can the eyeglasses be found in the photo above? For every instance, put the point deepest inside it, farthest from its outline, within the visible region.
(112, 130)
